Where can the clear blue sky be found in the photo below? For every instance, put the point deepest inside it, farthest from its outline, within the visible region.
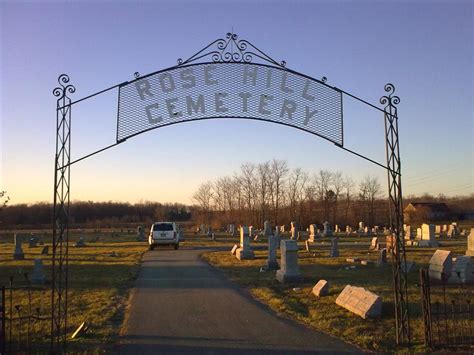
(424, 47)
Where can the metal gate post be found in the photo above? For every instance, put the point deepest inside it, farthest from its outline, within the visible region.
(62, 160)
(396, 214)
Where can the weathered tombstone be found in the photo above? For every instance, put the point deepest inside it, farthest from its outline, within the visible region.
(441, 264)
(282, 229)
(353, 260)
(360, 301)
(419, 233)
(391, 242)
(334, 247)
(428, 236)
(312, 232)
(45, 250)
(140, 234)
(232, 229)
(321, 288)
(376, 230)
(451, 231)
(361, 227)
(209, 231)
(294, 230)
(234, 249)
(80, 243)
(374, 244)
(244, 251)
(382, 257)
(367, 231)
(438, 229)
(38, 275)
(337, 229)
(327, 230)
(267, 229)
(463, 270)
(277, 230)
(18, 253)
(307, 245)
(213, 236)
(470, 243)
(289, 271)
(272, 262)
(408, 266)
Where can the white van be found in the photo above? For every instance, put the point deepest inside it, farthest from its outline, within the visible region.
(163, 233)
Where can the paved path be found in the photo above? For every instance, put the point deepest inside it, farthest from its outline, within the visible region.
(181, 305)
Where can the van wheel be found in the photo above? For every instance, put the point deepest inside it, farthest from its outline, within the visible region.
(176, 246)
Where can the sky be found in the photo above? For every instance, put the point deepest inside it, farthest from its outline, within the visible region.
(425, 48)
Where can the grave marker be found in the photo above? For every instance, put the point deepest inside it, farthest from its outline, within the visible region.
(272, 262)
(18, 253)
(244, 251)
(360, 301)
(321, 288)
(441, 264)
(289, 270)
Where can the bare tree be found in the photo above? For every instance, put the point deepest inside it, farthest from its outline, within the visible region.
(337, 187)
(249, 188)
(323, 190)
(279, 171)
(295, 193)
(348, 188)
(263, 174)
(203, 197)
(369, 191)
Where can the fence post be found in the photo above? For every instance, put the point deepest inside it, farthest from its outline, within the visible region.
(426, 306)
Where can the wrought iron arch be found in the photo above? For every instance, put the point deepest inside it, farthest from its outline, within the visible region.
(231, 55)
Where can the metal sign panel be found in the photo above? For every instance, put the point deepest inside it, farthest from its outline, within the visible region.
(229, 90)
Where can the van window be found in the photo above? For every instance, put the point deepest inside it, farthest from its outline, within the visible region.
(162, 227)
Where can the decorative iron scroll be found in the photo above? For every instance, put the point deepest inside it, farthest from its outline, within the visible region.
(229, 90)
(231, 49)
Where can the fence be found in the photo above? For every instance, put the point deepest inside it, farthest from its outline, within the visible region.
(448, 316)
(25, 316)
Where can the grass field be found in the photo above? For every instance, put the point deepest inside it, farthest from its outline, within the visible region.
(322, 313)
(98, 285)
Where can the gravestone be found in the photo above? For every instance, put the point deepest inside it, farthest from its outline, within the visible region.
(277, 230)
(321, 288)
(334, 247)
(272, 262)
(441, 264)
(374, 244)
(408, 266)
(313, 232)
(419, 233)
(80, 243)
(307, 245)
(18, 253)
(463, 270)
(470, 243)
(382, 260)
(390, 243)
(294, 230)
(267, 229)
(244, 252)
(360, 301)
(451, 231)
(38, 275)
(348, 230)
(234, 249)
(438, 229)
(428, 236)
(327, 230)
(32, 242)
(45, 250)
(289, 271)
(376, 230)
(232, 229)
(367, 231)
(209, 232)
(408, 234)
(282, 229)
(140, 234)
(361, 227)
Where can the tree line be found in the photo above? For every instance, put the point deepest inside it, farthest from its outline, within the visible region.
(94, 214)
(274, 192)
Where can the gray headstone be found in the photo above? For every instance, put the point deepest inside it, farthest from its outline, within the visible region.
(18, 253)
(289, 271)
(334, 247)
(327, 230)
(382, 257)
(80, 243)
(321, 288)
(272, 262)
(38, 275)
(463, 270)
(45, 250)
(33, 241)
(267, 229)
(360, 301)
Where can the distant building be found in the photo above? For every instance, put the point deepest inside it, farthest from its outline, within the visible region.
(426, 212)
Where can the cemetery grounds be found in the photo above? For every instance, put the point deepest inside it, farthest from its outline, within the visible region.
(103, 272)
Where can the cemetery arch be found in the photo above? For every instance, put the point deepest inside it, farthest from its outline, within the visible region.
(229, 78)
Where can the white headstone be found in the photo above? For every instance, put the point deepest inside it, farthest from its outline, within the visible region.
(428, 236)
(361, 226)
(294, 230)
(470, 243)
(441, 264)
(374, 244)
(360, 301)
(244, 251)
(313, 232)
(321, 288)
